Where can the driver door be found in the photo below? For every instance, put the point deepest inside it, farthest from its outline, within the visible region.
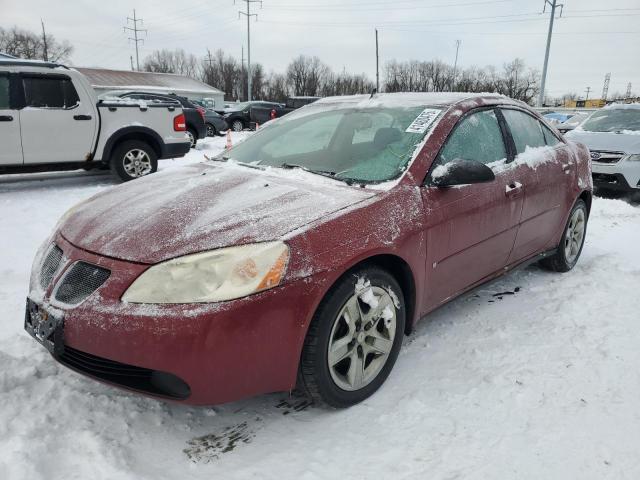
(471, 229)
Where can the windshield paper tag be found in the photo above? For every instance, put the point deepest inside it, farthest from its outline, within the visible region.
(423, 121)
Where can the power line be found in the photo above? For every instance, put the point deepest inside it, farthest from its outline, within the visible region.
(248, 14)
(135, 31)
(554, 5)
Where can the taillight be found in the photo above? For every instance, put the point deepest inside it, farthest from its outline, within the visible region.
(201, 111)
(179, 123)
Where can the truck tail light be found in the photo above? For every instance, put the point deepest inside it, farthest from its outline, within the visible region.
(201, 111)
(179, 123)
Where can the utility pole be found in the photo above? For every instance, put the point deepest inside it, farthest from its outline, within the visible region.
(455, 64)
(45, 53)
(131, 58)
(377, 65)
(554, 4)
(605, 88)
(248, 14)
(135, 31)
(587, 90)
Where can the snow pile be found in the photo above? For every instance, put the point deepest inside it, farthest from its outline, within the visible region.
(533, 376)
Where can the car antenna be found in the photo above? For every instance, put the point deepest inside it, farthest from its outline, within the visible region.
(373, 92)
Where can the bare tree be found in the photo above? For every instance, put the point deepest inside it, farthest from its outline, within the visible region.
(305, 75)
(25, 44)
(172, 61)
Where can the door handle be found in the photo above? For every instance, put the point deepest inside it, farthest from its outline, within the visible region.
(513, 189)
(82, 117)
(6, 118)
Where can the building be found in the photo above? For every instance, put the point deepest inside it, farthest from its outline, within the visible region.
(591, 103)
(103, 80)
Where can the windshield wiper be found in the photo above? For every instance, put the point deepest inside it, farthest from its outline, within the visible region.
(324, 173)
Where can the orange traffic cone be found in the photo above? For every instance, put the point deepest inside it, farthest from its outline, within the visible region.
(229, 144)
(257, 125)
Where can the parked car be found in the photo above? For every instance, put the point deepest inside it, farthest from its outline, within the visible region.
(239, 116)
(50, 119)
(572, 122)
(556, 117)
(214, 122)
(613, 136)
(194, 114)
(307, 251)
(262, 114)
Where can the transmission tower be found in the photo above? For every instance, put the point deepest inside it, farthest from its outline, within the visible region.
(248, 14)
(605, 88)
(554, 4)
(135, 31)
(628, 95)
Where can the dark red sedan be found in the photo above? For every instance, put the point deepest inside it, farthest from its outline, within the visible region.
(305, 253)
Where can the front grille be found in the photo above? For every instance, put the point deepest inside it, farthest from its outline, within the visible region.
(137, 378)
(602, 156)
(50, 266)
(80, 281)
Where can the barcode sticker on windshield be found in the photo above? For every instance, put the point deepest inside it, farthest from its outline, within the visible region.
(423, 121)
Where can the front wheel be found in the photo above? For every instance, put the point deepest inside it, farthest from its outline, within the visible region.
(211, 130)
(354, 338)
(570, 248)
(237, 126)
(133, 159)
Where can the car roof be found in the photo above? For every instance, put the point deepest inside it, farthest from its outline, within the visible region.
(20, 62)
(408, 99)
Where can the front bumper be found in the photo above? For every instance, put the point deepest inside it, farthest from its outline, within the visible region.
(221, 352)
(621, 176)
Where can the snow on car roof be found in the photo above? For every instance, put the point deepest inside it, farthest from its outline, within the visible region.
(405, 99)
(623, 106)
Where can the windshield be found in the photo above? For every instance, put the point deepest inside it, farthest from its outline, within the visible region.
(364, 145)
(613, 120)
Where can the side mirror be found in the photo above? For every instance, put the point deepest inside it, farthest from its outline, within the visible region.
(461, 172)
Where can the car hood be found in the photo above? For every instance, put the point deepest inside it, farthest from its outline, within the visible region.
(202, 207)
(616, 142)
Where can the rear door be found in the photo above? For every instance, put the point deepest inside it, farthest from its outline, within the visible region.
(544, 167)
(10, 142)
(471, 228)
(56, 126)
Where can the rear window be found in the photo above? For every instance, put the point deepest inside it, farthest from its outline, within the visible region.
(4, 92)
(50, 92)
(525, 130)
(613, 120)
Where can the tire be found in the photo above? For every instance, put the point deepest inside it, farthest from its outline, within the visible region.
(211, 130)
(237, 126)
(127, 153)
(570, 248)
(193, 137)
(338, 385)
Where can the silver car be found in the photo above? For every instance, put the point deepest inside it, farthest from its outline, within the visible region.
(612, 134)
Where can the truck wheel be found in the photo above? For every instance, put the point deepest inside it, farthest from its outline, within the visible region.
(237, 126)
(211, 130)
(193, 137)
(354, 338)
(133, 159)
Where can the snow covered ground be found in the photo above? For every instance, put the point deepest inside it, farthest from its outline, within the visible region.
(536, 376)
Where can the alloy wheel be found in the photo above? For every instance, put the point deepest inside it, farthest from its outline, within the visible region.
(192, 138)
(575, 235)
(361, 338)
(137, 163)
(237, 126)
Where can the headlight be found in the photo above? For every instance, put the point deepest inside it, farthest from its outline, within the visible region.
(213, 276)
(633, 158)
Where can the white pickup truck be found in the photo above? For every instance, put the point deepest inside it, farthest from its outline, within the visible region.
(51, 119)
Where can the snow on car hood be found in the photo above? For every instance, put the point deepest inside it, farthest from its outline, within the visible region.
(202, 207)
(615, 142)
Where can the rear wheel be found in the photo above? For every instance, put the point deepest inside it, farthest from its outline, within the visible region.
(570, 248)
(211, 130)
(237, 126)
(193, 137)
(133, 159)
(354, 338)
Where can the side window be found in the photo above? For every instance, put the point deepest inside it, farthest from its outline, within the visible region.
(549, 137)
(525, 130)
(50, 92)
(4, 92)
(477, 137)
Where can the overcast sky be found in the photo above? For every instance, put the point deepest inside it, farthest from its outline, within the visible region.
(592, 37)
